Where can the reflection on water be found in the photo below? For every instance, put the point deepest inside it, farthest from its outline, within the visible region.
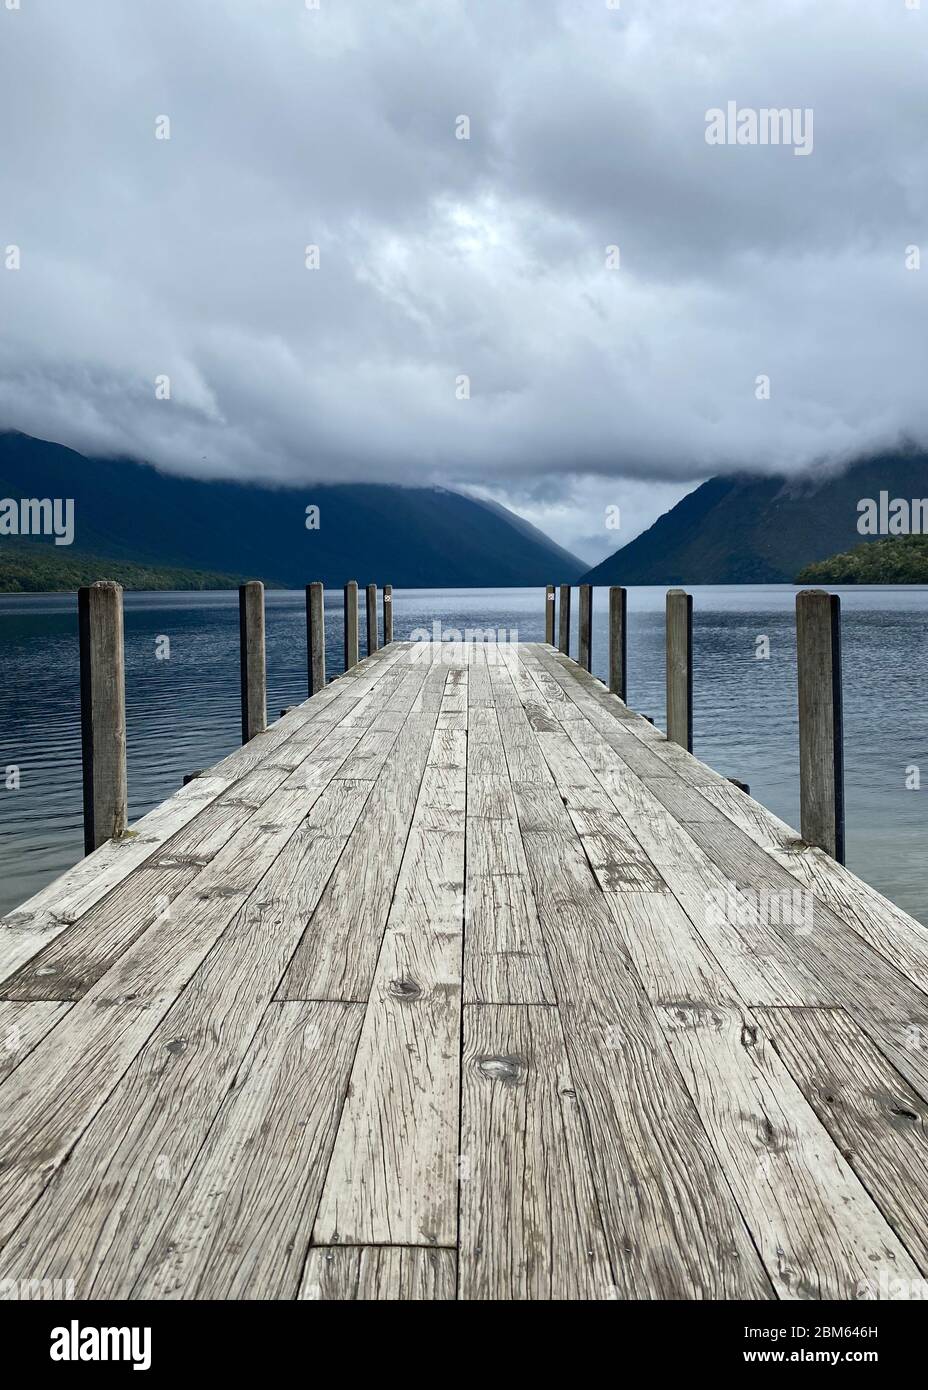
(183, 713)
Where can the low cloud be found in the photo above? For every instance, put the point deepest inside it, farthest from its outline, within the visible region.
(443, 258)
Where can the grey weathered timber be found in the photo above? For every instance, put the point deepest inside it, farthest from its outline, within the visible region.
(463, 981)
(618, 640)
(103, 713)
(585, 652)
(315, 637)
(367, 1198)
(821, 729)
(372, 635)
(247, 1225)
(253, 660)
(387, 614)
(351, 624)
(529, 1215)
(866, 1106)
(22, 1027)
(379, 1273)
(563, 631)
(79, 1072)
(549, 615)
(820, 1234)
(680, 668)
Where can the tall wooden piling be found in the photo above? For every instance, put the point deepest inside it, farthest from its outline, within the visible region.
(680, 668)
(563, 633)
(585, 650)
(351, 624)
(387, 614)
(372, 634)
(315, 637)
(103, 713)
(821, 720)
(253, 658)
(618, 640)
(549, 615)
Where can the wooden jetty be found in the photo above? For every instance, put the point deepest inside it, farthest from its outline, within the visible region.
(461, 980)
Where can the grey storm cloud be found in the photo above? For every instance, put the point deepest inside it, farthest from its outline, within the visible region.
(441, 257)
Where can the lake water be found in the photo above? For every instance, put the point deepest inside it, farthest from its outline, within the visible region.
(183, 713)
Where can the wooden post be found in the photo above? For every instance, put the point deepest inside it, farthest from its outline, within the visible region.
(549, 615)
(351, 624)
(103, 713)
(315, 637)
(387, 613)
(618, 640)
(372, 639)
(563, 635)
(585, 652)
(680, 668)
(821, 720)
(253, 663)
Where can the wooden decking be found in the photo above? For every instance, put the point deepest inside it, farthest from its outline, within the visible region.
(461, 981)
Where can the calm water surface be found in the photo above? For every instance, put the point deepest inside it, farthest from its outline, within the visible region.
(183, 713)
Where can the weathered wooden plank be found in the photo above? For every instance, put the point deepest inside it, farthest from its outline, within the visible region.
(25, 931)
(736, 929)
(710, 1089)
(122, 1178)
(176, 1120)
(338, 955)
(819, 1233)
(73, 960)
(899, 938)
(241, 1224)
(750, 816)
(198, 859)
(530, 1223)
(22, 1027)
(621, 866)
(654, 1172)
(504, 957)
(671, 958)
(330, 706)
(379, 1273)
(879, 1123)
(393, 1175)
(504, 953)
(759, 961)
(56, 1091)
(849, 972)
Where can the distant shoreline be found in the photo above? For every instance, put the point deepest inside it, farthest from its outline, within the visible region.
(42, 569)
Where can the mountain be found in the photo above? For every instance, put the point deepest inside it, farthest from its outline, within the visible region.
(750, 530)
(412, 537)
(889, 560)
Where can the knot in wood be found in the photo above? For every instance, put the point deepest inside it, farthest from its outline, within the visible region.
(509, 1070)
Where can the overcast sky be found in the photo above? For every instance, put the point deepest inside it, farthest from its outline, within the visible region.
(443, 257)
